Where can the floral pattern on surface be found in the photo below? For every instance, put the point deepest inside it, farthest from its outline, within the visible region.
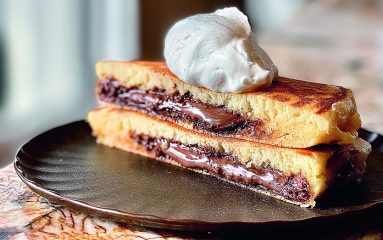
(26, 215)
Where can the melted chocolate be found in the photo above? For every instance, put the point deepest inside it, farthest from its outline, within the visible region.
(176, 108)
(293, 187)
(345, 165)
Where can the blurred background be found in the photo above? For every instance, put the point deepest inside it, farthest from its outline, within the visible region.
(48, 49)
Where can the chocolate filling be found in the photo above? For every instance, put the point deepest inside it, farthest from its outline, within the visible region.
(345, 166)
(292, 187)
(177, 107)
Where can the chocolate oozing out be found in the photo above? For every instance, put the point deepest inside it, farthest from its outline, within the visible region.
(178, 108)
(292, 187)
(345, 165)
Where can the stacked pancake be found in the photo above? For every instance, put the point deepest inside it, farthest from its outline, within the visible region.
(292, 140)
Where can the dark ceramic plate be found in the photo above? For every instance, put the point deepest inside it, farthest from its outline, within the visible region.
(66, 166)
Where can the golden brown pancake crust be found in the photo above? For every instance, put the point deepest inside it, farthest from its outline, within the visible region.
(295, 92)
(293, 113)
(301, 93)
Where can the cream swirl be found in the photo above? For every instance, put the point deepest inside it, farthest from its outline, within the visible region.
(217, 51)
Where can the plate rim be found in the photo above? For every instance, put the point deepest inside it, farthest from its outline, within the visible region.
(160, 222)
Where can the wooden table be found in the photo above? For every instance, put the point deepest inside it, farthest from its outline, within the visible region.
(324, 43)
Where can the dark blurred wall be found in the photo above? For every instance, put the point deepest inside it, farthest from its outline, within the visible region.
(158, 16)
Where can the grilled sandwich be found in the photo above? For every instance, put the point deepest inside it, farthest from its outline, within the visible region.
(289, 113)
(294, 175)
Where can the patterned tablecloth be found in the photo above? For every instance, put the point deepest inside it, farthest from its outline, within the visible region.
(26, 215)
(342, 47)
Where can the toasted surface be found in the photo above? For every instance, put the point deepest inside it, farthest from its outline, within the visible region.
(294, 113)
(113, 127)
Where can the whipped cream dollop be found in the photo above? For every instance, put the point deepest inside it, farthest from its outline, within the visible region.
(217, 51)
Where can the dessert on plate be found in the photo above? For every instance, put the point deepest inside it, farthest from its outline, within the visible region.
(217, 106)
(292, 174)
